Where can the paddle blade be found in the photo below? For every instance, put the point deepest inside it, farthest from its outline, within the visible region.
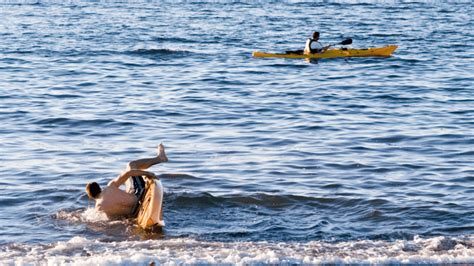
(346, 42)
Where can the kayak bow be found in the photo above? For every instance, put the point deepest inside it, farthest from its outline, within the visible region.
(333, 53)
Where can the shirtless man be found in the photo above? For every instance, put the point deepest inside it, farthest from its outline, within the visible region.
(118, 203)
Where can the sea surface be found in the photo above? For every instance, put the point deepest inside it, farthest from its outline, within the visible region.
(279, 161)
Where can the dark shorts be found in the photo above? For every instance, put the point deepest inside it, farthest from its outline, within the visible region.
(138, 189)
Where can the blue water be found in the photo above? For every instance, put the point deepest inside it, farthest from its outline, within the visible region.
(275, 150)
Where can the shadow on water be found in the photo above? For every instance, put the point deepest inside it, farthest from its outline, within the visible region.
(160, 54)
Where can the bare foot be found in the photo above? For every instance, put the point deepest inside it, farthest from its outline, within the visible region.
(161, 153)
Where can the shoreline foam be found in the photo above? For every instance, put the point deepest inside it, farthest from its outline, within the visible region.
(82, 251)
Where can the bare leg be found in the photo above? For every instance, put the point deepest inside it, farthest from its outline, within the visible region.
(143, 164)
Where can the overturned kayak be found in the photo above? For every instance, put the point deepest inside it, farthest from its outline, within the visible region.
(385, 51)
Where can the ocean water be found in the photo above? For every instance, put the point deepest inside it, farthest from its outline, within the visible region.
(280, 161)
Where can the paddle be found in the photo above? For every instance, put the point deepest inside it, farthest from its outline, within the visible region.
(345, 42)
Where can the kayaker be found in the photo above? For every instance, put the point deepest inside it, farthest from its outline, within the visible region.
(314, 46)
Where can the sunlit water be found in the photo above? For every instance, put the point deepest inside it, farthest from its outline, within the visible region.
(363, 160)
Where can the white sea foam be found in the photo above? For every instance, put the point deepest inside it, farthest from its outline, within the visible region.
(90, 215)
(93, 215)
(81, 251)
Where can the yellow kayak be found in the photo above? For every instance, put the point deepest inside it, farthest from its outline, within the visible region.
(385, 51)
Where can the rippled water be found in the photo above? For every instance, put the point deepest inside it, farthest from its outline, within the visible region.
(279, 160)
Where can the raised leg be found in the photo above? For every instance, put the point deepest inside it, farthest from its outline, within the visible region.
(143, 164)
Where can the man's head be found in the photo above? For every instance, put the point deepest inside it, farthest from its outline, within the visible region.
(316, 35)
(93, 190)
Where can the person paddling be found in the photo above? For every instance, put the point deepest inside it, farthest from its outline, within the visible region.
(117, 203)
(314, 46)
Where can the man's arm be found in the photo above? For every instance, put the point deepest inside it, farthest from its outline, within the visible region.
(132, 172)
(325, 48)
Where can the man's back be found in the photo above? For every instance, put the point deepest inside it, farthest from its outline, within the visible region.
(115, 202)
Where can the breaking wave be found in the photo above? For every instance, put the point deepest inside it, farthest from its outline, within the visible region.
(82, 251)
